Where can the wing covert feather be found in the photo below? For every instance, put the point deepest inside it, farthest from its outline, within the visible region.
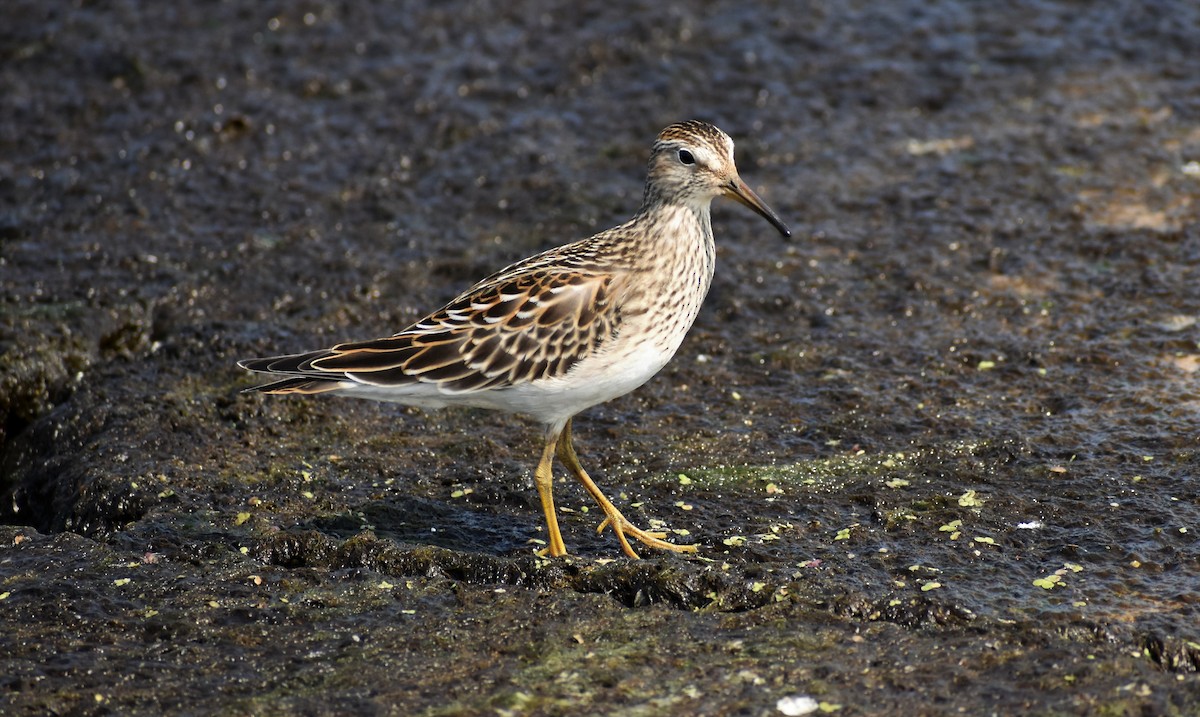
(505, 331)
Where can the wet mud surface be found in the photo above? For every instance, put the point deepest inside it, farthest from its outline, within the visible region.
(939, 451)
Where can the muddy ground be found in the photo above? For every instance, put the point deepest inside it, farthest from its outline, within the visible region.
(940, 450)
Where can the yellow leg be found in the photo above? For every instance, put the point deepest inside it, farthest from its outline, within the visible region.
(543, 478)
(612, 516)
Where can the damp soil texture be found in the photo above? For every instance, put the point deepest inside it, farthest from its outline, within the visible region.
(939, 450)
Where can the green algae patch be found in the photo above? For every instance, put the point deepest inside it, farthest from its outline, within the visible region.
(899, 470)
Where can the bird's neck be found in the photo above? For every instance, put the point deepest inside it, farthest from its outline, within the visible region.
(680, 233)
(690, 221)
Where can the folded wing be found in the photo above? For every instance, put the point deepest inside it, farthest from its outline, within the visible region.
(504, 331)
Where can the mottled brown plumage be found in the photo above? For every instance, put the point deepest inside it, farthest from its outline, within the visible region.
(560, 331)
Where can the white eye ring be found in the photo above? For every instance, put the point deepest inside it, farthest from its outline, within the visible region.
(686, 157)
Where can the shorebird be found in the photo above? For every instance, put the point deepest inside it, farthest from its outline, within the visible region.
(561, 331)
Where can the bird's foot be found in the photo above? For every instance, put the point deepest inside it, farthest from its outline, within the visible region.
(651, 538)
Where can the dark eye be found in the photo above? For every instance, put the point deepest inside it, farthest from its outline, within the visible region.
(686, 157)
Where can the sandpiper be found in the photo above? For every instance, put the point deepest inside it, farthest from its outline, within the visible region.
(563, 330)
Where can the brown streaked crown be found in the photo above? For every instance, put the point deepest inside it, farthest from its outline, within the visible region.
(693, 130)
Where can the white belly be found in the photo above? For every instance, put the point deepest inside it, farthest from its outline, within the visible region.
(590, 382)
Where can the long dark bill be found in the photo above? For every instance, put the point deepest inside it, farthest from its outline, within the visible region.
(738, 190)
